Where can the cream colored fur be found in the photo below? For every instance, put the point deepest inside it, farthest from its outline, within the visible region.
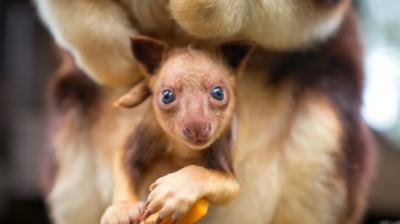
(284, 160)
(84, 155)
(279, 24)
(97, 32)
(76, 196)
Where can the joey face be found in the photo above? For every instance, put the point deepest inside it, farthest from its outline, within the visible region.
(192, 90)
(193, 98)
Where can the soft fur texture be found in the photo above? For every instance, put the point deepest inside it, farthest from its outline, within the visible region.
(96, 32)
(197, 169)
(302, 154)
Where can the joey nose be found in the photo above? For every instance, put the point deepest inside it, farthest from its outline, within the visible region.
(196, 132)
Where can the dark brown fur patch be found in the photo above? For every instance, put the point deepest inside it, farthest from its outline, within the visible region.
(335, 69)
(71, 87)
(219, 155)
(144, 146)
(149, 52)
(235, 53)
(327, 3)
(69, 91)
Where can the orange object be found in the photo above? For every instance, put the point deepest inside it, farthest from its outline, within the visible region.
(197, 212)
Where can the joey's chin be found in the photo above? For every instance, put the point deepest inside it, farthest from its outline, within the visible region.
(198, 144)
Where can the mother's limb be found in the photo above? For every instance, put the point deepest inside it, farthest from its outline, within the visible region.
(274, 24)
(97, 34)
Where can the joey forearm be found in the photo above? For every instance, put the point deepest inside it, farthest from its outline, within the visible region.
(175, 193)
(124, 189)
(126, 206)
(215, 186)
(220, 188)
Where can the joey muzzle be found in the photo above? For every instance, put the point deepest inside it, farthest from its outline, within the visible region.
(196, 132)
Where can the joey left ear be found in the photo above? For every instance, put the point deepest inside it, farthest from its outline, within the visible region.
(148, 52)
(135, 96)
(236, 53)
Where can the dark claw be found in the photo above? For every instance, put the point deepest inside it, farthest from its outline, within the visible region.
(147, 214)
(146, 204)
(134, 221)
(159, 220)
(141, 209)
(174, 220)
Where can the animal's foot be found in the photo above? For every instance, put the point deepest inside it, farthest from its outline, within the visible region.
(123, 213)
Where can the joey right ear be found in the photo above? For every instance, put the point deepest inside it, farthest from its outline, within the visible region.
(236, 53)
(135, 96)
(148, 52)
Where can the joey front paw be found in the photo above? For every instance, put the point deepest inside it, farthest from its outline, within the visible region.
(173, 195)
(169, 203)
(123, 213)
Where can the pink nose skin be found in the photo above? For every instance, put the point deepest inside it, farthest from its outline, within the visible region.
(197, 133)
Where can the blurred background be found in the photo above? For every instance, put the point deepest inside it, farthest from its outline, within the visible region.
(27, 60)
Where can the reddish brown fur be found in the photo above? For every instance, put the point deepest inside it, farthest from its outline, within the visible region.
(335, 69)
(148, 142)
(190, 74)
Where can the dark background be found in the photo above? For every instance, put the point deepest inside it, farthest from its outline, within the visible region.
(27, 60)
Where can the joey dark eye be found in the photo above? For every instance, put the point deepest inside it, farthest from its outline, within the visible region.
(217, 93)
(167, 97)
